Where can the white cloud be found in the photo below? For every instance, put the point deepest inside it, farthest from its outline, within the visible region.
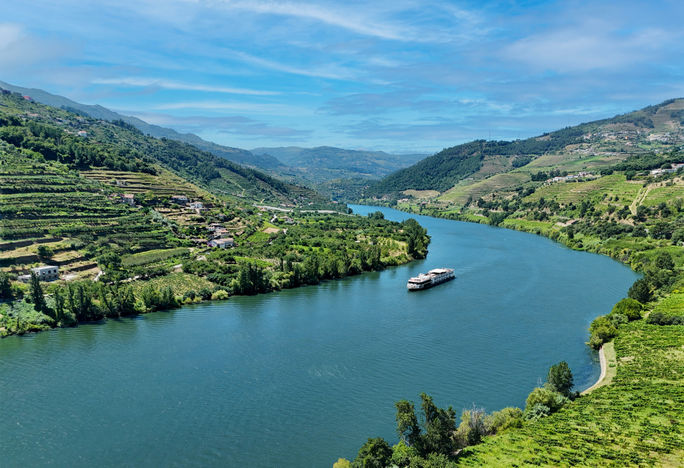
(19, 50)
(330, 71)
(176, 85)
(332, 16)
(591, 46)
(215, 105)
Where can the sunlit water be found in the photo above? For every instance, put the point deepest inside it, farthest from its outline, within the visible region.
(301, 377)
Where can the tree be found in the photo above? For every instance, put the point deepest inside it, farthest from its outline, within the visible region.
(5, 287)
(407, 422)
(560, 378)
(37, 295)
(439, 426)
(45, 252)
(640, 291)
(472, 427)
(375, 453)
(59, 305)
(664, 261)
(628, 307)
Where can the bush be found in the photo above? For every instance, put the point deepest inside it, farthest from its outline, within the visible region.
(220, 295)
(660, 318)
(375, 453)
(205, 294)
(502, 420)
(538, 411)
(602, 330)
(640, 291)
(547, 397)
(402, 454)
(628, 307)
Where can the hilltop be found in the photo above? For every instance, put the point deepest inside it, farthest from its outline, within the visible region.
(118, 145)
(95, 111)
(465, 172)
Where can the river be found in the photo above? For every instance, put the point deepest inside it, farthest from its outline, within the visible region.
(299, 378)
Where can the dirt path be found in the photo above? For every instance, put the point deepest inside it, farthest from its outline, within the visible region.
(606, 357)
(639, 199)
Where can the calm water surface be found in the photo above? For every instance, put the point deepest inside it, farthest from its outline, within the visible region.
(302, 377)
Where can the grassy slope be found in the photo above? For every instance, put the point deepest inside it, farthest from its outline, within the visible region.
(636, 420)
(586, 147)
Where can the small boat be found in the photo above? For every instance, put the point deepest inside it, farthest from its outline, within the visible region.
(430, 279)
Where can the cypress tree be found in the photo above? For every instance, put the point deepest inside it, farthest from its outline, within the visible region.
(37, 294)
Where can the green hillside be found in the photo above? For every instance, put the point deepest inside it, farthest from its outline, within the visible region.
(236, 155)
(86, 142)
(480, 167)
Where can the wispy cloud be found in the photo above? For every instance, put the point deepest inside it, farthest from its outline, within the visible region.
(167, 84)
(232, 106)
(347, 18)
(334, 72)
(233, 125)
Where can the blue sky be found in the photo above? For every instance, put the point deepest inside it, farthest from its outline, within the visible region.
(401, 76)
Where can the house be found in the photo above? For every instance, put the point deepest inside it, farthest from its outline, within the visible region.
(180, 199)
(128, 198)
(82, 133)
(221, 243)
(197, 205)
(44, 273)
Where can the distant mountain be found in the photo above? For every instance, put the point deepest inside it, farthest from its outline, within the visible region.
(474, 169)
(338, 161)
(237, 155)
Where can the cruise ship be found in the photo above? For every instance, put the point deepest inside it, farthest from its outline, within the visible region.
(430, 279)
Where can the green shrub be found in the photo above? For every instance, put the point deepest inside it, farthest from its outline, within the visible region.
(602, 330)
(547, 397)
(628, 307)
(220, 295)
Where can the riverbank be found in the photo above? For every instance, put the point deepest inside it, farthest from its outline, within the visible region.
(608, 363)
(614, 420)
(319, 248)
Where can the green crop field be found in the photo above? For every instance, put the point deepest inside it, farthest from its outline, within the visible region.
(574, 192)
(638, 420)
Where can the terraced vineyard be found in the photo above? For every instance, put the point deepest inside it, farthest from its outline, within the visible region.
(163, 184)
(46, 204)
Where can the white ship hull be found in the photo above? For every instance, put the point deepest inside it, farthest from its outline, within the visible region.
(430, 279)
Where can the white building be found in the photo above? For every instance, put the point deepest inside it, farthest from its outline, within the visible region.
(221, 243)
(44, 273)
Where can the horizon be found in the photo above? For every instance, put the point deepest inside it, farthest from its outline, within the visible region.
(407, 78)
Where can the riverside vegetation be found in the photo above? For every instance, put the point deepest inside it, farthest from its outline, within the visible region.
(63, 178)
(631, 209)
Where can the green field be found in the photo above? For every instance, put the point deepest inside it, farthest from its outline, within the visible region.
(638, 420)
